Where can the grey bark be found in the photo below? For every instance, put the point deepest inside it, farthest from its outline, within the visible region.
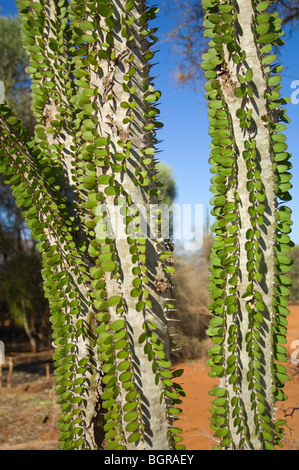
(260, 133)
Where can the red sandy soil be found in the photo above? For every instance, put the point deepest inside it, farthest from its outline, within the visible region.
(28, 411)
(194, 420)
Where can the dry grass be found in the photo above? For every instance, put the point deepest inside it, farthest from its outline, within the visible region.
(192, 316)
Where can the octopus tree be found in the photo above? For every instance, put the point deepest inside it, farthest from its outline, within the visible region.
(249, 262)
(85, 183)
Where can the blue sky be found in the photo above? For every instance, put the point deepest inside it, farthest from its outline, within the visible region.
(185, 140)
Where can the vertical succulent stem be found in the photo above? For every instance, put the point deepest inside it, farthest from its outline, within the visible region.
(94, 151)
(245, 272)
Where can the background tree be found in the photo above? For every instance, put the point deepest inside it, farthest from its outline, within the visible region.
(13, 63)
(168, 189)
(23, 305)
(191, 294)
(289, 12)
(21, 292)
(93, 150)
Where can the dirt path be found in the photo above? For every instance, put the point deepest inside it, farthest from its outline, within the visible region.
(194, 421)
(291, 439)
(28, 411)
(28, 414)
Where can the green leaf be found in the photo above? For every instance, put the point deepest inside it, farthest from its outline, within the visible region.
(169, 269)
(282, 377)
(227, 17)
(130, 5)
(124, 377)
(115, 300)
(178, 372)
(102, 9)
(150, 98)
(260, 209)
(241, 113)
(134, 437)
(103, 54)
(108, 266)
(136, 292)
(267, 38)
(263, 28)
(269, 59)
(214, 18)
(111, 190)
(117, 325)
(215, 104)
(101, 141)
(220, 401)
(140, 306)
(104, 179)
(262, 5)
(90, 182)
(217, 370)
(217, 391)
(249, 75)
(260, 306)
(221, 433)
(275, 80)
(280, 422)
(269, 446)
(208, 66)
(281, 339)
(124, 365)
(263, 18)
(174, 411)
(131, 416)
(284, 259)
(218, 201)
(121, 344)
(133, 426)
(117, 168)
(86, 26)
(88, 135)
(92, 60)
(284, 280)
(240, 92)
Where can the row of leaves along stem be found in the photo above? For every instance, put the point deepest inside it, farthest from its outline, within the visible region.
(268, 23)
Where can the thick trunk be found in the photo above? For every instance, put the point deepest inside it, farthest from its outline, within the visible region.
(264, 251)
(29, 329)
(121, 117)
(244, 264)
